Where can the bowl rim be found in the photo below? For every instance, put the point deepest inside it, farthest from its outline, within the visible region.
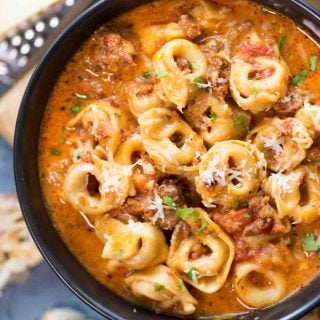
(301, 310)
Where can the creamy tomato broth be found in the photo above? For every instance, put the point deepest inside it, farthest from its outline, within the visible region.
(179, 156)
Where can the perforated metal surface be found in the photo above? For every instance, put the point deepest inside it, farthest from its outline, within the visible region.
(23, 47)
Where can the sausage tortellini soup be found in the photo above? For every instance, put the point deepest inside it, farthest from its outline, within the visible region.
(179, 157)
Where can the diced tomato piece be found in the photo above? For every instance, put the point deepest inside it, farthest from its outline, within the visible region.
(254, 50)
(87, 158)
(233, 221)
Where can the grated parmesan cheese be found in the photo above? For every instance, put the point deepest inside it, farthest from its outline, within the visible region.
(112, 181)
(300, 134)
(262, 163)
(134, 227)
(188, 140)
(287, 98)
(221, 80)
(248, 173)
(250, 150)
(273, 144)
(306, 103)
(198, 155)
(214, 173)
(86, 219)
(96, 122)
(235, 174)
(314, 112)
(158, 206)
(281, 182)
(208, 205)
(147, 167)
(204, 85)
(92, 73)
(243, 164)
(180, 108)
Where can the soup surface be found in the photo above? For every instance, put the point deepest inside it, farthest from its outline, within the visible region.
(179, 156)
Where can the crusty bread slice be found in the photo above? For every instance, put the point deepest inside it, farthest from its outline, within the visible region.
(315, 315)
(18, 252)
(63, 314)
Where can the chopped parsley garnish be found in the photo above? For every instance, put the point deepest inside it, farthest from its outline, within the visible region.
(282, 42)
(223, 318)
(196, 66)
(147, 74)
(182, 213)
(193, 274)
(300, 77)
(158, 286)
(311, 243)
(75, 109)
(181, 286)
(236, 204)
(55, 152)
(118, 253)
(117, 115)
(265, 9)
(185, 213)
(254, 92)
(204, 224)
(162, 74)
(81, 96)
(244, 204)
(200, 82)
(247, 215)
(168, 201)
(240, 122)
(212, 115)
(314, 63)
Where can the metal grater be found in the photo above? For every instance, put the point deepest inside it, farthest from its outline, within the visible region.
(24, 47)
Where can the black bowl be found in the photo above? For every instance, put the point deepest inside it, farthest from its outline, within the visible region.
(27, 176)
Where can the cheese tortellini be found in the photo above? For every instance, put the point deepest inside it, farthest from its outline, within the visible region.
(209, 14)
(208, 272)
(137, 245)
(176, 82)
(230, 170)
(163, 288)
(156, 35)
(132, 152)
(100, 125)
(259, 286)
(296, 193)
(256, 86)
(169, 140)
(310, 116)
(141, 102)
(283, 142)
(97, 187)
(213, 119)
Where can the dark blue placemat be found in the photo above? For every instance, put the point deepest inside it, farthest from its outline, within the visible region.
(6, 168)
(42, 290)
